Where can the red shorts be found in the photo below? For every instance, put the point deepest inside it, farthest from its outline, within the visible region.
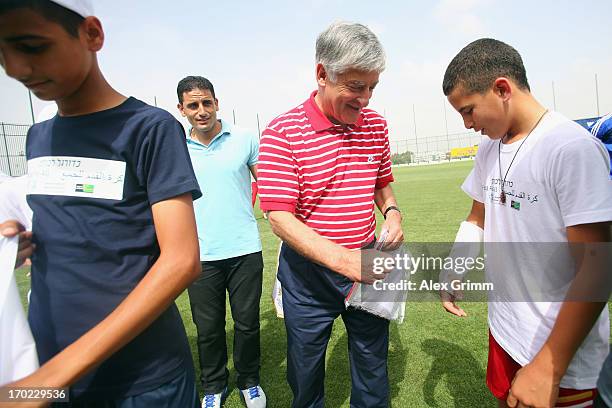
(501, 369)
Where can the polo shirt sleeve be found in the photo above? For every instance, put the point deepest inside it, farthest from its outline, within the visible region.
(277, 179)
(254, 152)
(385, 176)
(163, 163)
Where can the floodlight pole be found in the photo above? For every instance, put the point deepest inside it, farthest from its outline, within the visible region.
(31, 106)
(446, 127)
(8, 156)
(234, 115)
(416, 138)
(554, 99)
(597, 95)
(258, 128)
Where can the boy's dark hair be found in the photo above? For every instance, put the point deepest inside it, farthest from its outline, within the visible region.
(190, 83)
(480, 63)
(51, 11)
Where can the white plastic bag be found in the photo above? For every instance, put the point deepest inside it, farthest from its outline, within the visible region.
(277, 290)
(388, 304)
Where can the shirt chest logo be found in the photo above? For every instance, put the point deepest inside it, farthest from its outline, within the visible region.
(514, 193)
(76, 177)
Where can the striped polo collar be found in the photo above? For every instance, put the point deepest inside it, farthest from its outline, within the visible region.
(319, 121)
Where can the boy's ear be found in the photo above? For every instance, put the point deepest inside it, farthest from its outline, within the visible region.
(180, 108)
(503, 88)
(91, 30)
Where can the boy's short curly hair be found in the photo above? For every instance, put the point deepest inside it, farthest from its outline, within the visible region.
(477, 66)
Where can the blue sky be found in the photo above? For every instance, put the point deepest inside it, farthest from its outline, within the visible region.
(260, 55)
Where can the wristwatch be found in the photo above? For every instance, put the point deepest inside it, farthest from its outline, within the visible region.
(389, 208)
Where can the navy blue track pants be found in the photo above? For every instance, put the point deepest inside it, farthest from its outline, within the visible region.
(313, 297)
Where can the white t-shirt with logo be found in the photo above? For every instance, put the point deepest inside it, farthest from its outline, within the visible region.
(559, 178)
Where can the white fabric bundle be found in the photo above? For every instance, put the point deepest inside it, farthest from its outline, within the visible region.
(4, 177)
(18, 356)
(467, 244)
(13, 204)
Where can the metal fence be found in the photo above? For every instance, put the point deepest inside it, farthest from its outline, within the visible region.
(12, 148)
(431, 149)
(426, 149)
(414, 150)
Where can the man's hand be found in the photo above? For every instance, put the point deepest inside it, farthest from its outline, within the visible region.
(384, 199)
(12, 228)
(534, 385)
(449, 303)
(360, 266)
(395, 235)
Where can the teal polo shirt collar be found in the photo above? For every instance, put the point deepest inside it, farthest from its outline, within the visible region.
(319, 121)
(226, 129)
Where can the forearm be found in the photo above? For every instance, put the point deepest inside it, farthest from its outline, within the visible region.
(308, 243)
(162, 284)
(573, 324)
(586, 296)
(537, 383)
(177, 266)
(477, 214)
(393, 235)
(157, 290)
(384, 198)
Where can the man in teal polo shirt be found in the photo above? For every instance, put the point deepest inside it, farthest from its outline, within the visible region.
(223, 159)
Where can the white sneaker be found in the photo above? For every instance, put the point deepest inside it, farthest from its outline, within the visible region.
(253, 397)
(215, 400)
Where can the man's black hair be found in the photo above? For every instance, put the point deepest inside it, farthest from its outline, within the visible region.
(480, 63)
(190, 83)
(51, 11)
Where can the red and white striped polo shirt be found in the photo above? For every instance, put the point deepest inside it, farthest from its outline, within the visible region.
(325, 174)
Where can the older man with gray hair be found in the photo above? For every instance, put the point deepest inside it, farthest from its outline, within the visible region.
(322, 167)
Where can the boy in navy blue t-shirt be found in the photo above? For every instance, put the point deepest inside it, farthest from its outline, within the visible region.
(113, 228)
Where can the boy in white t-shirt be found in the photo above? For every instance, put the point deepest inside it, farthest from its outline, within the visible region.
(540, 179)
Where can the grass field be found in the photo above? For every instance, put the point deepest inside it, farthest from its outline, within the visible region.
(435, 360)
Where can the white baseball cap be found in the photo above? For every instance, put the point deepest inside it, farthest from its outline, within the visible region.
(81, 7)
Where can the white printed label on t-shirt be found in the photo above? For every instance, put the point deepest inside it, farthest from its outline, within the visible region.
(514, 195)
(76, 177)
